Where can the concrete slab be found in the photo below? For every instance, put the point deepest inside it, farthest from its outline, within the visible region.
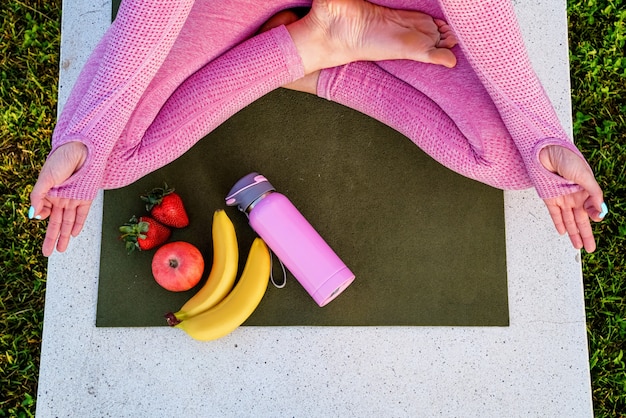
(538, 366)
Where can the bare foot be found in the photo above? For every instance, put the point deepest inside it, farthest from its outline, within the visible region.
(338, 32)
(570, 213)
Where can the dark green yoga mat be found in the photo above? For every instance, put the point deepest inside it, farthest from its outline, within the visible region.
(427, 245)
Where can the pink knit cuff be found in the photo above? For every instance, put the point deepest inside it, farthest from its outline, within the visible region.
(290, 52)
(324, 82)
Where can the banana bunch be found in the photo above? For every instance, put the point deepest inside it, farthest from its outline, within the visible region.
(220, 306)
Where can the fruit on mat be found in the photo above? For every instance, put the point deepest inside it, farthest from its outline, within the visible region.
(177, 266)
(166, 206)
(144, 233)
(240, 303)
(223, 271)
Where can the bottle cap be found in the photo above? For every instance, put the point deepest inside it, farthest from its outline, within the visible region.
(247, 190)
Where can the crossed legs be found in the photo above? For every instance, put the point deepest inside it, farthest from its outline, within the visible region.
(142, 138)
(106, 104)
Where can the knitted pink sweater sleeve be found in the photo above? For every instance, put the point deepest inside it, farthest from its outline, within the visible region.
(487, 118)
(136, 113)
(204, 101)
(507, 74)
(111, 83)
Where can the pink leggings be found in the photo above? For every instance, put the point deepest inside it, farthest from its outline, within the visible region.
(164, 76)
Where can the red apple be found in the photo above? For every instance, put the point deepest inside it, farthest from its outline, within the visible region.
(177, 266)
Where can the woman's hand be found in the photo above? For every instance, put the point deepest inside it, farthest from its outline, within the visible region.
(571, 213)
(66, 216)
(66, 220)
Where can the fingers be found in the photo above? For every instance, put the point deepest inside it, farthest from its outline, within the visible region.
(569, 216)
(595, 207)
(57, 168)
(579, 228)
(594, 204)
(81, 216)
(585, 233)
(573, 167)
(67, 218)
(65, 230)
(557, 218)
(53, 230)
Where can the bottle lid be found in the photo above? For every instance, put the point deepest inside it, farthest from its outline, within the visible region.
(247, 190)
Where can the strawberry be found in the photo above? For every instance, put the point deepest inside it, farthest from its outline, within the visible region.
(144, 233)
(167, 207)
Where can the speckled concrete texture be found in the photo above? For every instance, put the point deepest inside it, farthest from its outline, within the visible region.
(538, 366)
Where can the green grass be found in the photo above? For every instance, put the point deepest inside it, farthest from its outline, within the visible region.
(29, 46)
(597, 45)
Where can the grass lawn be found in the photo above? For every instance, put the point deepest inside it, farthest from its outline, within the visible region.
(29, 48)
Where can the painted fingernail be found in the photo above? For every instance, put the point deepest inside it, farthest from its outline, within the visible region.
(31, 213)
(605, 210)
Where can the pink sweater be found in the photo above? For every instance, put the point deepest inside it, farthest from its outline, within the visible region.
(165, 75)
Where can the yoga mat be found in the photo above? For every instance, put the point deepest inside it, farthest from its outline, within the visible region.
(427, 245)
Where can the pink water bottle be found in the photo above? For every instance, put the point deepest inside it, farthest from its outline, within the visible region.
(291, 237)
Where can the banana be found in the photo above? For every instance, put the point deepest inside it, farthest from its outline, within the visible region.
(223, 271)
(240, 303)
